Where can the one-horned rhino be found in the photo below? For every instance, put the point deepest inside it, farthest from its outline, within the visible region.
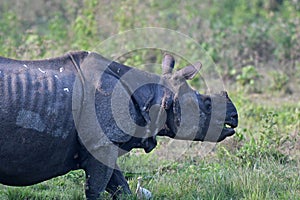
(82, 111)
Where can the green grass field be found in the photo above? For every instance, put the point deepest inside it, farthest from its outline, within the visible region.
(256, 48)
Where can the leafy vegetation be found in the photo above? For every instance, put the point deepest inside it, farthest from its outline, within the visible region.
(256, 46)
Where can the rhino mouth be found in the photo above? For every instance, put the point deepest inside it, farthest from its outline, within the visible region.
(228, 128)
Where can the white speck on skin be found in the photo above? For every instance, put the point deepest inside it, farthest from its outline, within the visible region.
(25, 66)
(66, 90)
(56, 76)
(61, 69)
(41, 70)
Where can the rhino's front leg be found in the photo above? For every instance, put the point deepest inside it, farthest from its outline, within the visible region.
(117, 184)
(98, 176)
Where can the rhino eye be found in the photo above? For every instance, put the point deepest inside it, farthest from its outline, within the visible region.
(207, 103)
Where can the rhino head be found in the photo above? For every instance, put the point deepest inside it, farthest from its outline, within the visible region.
(172, 108)
(194, 116)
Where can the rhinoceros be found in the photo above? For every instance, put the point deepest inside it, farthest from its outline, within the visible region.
(47, 120)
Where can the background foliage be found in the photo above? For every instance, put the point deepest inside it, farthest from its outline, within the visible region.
(256, 46)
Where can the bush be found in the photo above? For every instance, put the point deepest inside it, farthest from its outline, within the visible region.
(248, 78)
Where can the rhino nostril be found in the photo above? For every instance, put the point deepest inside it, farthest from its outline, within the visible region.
(234, 119)
(234, 115)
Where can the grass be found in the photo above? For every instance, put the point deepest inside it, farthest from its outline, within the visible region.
(70, 186)
(219, 179)
(224, 180)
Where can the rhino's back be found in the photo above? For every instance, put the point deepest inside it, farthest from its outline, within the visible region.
(37, 132)
(36, 95)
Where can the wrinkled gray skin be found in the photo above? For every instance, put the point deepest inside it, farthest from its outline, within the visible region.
(38, 136)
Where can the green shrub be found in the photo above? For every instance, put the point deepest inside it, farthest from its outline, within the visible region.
(279, 81)
(264, 144)
(248, 78)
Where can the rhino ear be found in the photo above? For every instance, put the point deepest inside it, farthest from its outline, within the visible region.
(189, 72)
(168, 64)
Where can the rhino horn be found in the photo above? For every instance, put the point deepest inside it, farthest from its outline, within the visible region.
(188, 72)
(168, 64)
